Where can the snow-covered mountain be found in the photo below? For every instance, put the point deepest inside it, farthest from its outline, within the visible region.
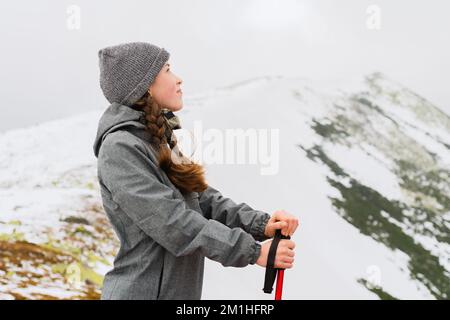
(365, 165)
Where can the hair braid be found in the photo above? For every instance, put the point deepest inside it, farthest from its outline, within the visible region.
(185, 174)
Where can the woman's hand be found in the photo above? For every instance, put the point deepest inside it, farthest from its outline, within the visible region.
(284, 256)
(281, 220)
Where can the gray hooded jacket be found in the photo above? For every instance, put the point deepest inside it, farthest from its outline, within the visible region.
(164, 235)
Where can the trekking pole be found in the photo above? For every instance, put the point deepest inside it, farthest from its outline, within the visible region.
(271, 271)
(279, 288)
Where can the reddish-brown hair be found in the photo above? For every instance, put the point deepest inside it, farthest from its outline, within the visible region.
(185, 174)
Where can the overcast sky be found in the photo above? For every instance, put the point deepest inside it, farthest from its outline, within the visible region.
(49, 66)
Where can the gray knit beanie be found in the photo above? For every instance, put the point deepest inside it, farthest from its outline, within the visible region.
(127, 70)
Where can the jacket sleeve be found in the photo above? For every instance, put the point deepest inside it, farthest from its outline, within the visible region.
(129, 174)
(215, 206)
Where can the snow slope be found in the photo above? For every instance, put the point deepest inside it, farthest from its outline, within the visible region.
(363, 164)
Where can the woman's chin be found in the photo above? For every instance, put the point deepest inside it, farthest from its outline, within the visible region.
(178, 107)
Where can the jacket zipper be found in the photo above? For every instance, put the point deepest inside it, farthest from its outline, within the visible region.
(160, 280)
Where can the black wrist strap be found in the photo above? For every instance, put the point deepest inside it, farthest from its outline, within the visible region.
(271, 271)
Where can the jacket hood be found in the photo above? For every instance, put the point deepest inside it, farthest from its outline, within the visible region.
(117, 116)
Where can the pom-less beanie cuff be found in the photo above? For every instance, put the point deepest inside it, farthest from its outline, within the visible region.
(142, 87)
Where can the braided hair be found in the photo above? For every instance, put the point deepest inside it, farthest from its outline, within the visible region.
(185, 174)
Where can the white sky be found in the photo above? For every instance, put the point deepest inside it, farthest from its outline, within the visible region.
(50, 71)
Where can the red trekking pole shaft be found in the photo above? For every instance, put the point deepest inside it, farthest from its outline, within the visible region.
(279, 288)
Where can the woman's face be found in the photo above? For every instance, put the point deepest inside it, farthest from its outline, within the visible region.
(166, 90)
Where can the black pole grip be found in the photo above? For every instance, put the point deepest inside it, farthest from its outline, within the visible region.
(271, 271)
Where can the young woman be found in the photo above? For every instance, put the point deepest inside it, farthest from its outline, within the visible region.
(165, 215)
